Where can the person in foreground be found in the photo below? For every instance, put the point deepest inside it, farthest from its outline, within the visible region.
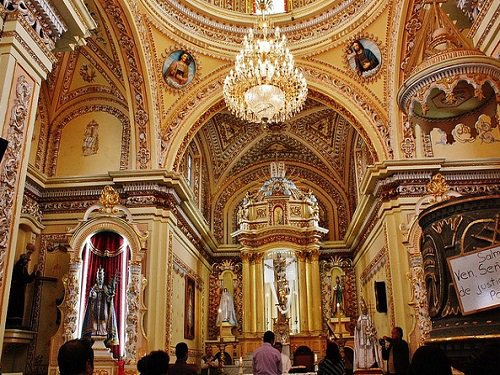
(266, 359)
(397, 353)
(429, 360)
(286, 364)
(332, 364)
(209, 364)
(181, 367)
(76, 357)
(155, 363)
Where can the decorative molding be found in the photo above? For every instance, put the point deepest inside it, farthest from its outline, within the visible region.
(31, 208)
(70, 303)
(379, 261)
(136, 80)
(134, 307)
(182, 269)
(10, 171)
(169, 295)
(212, 29)
(57, 128)
(419, 298)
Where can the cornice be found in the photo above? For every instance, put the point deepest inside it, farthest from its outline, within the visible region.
(404, 182)
(137, 189)
(222, 30)
(293, 235)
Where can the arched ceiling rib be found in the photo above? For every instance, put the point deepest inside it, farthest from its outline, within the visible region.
(319, 137)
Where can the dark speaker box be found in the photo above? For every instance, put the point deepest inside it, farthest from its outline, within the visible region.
(380, 296)
(3, 147)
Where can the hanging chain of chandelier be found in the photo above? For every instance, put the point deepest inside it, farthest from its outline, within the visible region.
(265, 86)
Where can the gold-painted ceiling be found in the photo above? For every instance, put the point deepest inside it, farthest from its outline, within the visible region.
(317, 145)
(327, 146)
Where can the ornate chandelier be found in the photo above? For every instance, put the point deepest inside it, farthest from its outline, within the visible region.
(264, 85)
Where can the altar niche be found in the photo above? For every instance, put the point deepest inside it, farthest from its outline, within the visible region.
(104, 287)
(281, 303)
(102, 310)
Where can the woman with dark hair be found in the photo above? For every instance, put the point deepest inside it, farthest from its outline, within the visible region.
(429, 360)
(332, 364)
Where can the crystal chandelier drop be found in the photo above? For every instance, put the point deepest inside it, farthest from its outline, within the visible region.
(264, 85)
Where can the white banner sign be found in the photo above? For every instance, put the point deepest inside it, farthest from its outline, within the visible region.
(476, 277)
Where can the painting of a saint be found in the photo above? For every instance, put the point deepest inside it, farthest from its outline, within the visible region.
(179, 69)
(364, 57)
(189, 318)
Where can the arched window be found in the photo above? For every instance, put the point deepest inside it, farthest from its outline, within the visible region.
(277, 6)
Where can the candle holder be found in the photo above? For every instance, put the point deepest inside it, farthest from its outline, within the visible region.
(240, 369)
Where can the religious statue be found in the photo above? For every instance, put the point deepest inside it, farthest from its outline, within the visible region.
(100, 315)
(20, 278)
(314, 206)
(367, 352)
(226, 309)
(338, 297)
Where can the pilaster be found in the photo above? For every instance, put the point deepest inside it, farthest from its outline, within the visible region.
(304, 318)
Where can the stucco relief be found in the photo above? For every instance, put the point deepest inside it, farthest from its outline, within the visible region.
(136, 80)
(307, 30)
(339, 143)
(18, 118)
(53, 148)
(378, 118)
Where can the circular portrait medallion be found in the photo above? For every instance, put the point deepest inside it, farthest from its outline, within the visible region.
(364, 57)
(179, 69)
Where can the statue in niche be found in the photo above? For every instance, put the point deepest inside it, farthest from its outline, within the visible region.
(278, 216)
(226, 311)
(100, 315)
(20, 278)
(338, 297)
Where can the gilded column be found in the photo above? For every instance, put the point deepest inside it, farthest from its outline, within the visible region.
(315, 291)
(304, 318)
(253, 303)
(309, 292)
(247, 289)
(259, 292)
